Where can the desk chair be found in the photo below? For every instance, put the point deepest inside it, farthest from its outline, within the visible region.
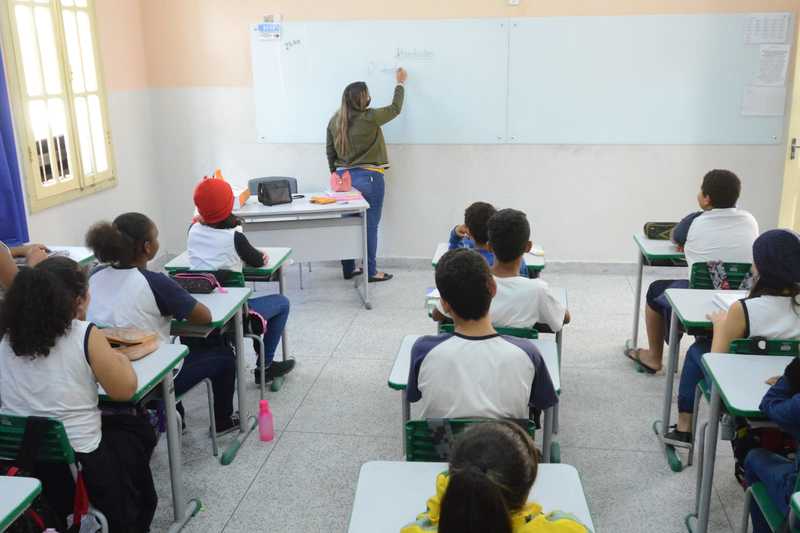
(524, 333)
(54, 448)
(432, 440)
(700, 277)
(757, 493)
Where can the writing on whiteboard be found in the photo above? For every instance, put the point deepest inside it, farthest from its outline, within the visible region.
(290, 44)
(414, 53)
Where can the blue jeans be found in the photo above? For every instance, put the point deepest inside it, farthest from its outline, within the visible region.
(778, 474)
(657, 300)
(371, 186)
(275, 310)
(692, 373)
(209, 358)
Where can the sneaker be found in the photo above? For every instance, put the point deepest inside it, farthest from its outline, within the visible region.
(678, 437)
(228, 425)
(275, 370)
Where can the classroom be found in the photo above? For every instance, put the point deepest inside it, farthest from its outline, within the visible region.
(403, 267)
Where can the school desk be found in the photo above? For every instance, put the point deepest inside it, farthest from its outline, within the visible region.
(80, 254)
(652, 252)
(16, 495)
(739, 382)
(314, 232)
(390, 494)
(278, 258)
(535, 261)
(224, 307)
(398, 380)
(150, 371)
(690, 310)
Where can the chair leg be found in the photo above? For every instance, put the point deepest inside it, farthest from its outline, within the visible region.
(259, 341)
(748, 501)
(701, 445)
(698, 395)
(211, 417)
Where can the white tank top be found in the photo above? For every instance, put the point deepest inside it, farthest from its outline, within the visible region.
(61, 385)
(212, 249)
(772, 317)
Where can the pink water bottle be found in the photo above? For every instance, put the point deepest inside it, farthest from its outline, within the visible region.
(266, 426)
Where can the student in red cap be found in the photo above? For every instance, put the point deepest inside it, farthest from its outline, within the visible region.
(216, 243)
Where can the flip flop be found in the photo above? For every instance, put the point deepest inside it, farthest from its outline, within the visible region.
(633, 355)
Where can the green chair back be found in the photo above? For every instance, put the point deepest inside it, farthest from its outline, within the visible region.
(762, 346)
(701, 279)
(431, 440)
(54, 448)
(226, 278)
(524, 333)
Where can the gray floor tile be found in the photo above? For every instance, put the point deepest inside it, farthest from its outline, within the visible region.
(308, 484)
(377, 334)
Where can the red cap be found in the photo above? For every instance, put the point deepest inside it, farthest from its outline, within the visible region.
(214, 200)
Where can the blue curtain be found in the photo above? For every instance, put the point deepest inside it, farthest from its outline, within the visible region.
(13, 224)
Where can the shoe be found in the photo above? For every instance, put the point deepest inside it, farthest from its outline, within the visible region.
(228, 425)
(275, 370)
(385, 277)
(182, 413)
(353, 274)
(678, 437)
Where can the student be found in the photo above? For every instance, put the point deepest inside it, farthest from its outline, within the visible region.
(51, 361)
(33, 254)
(125, 293)
(474, 233)
(771, 310)
(486, 488)
(520, 302)
(475, 372)
(215, 243)
(720, 232)
(781, 404)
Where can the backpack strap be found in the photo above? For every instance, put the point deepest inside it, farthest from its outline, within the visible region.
(35, 429)
(442, 436)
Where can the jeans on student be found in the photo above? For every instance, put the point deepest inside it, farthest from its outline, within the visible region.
(692, 373)
(209, 358)
(275, 310)
(778, 474)
(657, 300)
(371, 186)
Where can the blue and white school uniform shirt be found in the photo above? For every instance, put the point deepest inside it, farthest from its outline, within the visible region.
(494, 376)
(135, 297)
(220, 249)
(772, 317)
(717, 235)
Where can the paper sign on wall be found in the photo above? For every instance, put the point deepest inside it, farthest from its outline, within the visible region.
(270, 29)
(760, 101)
(773, 64)
(767, 28)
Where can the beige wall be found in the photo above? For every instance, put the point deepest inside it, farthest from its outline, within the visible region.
(194, 43)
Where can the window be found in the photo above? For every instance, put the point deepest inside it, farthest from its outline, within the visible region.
(59, 101)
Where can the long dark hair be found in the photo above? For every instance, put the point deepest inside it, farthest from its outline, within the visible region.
(122, 241)
(40, 305)
(492, 470)
(354, 98)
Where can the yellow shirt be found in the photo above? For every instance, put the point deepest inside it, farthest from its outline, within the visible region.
(529, 519)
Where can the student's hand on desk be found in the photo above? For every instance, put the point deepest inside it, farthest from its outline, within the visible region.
(24, 251)
(679, 248)
(717, 318)
(35, 255)
(773, 380)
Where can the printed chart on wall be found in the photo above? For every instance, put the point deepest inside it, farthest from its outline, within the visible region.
(644, 79)
(457, 78)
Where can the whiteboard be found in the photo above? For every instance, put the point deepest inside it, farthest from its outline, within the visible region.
(667, 79)
(456, 91)
(656, 79)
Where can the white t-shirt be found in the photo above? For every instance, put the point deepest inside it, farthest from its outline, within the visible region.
(212, 249)
(496, 377)
(772, 317)
(721, 235)
(522, 303)
(61, 385)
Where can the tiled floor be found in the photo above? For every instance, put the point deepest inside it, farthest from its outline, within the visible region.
(336, 412)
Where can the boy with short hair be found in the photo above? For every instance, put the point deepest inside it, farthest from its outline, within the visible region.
(474, 233)
(520, 302)
(475, 372)
(720, 232)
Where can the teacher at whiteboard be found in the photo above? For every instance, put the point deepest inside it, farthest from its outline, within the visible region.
(355, 143)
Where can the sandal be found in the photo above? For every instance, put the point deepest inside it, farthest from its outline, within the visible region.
(385, 277)
(633, 355)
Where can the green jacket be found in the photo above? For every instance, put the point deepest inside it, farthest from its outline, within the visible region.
(367, 146)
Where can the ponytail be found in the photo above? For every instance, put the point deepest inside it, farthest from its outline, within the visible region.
(40, 305)
(473, 503)
(353, 99)
(122, 241)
